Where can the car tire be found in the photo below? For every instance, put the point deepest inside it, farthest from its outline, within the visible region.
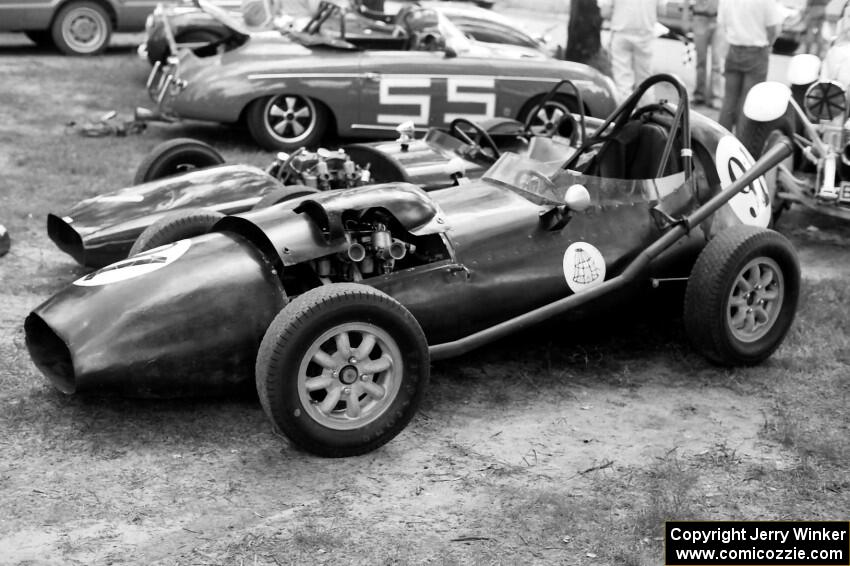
(286, 122)
(40, 37)
(174, 226)
(741, 297)
(175, 157)
(550, 116)
(312, 403)
(283, 194)
(81, 28)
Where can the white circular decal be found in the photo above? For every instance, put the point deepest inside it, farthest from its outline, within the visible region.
(752, 205)
(139, 264)
(584, 266)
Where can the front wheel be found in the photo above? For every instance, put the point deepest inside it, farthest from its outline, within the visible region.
(342, 369)
(286, 122)
(742, 294)
(81, 28)
(174, 157)
(174, 226)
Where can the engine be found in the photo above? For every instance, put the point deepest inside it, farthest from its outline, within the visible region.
(323, 169)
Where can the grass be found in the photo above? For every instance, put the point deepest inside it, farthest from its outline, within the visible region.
(571, 443)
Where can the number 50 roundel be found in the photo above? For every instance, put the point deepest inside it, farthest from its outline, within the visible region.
(752, 205)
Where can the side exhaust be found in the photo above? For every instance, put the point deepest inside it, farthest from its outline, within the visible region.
(142, 114)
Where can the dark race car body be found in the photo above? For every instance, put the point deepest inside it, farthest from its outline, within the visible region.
(335, 302)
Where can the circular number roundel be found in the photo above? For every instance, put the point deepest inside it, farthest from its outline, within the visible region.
(751, 205)
(584, 266)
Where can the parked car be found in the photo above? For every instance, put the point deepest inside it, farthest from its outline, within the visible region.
(192, 27)
(335, 303)
(813, 114)
(793, 27)
(329, 79)
(75, 27)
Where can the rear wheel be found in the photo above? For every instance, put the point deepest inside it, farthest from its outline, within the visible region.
(286, 122)
(81, 28)
(742, 294)
(174, 157)
(342, 369)
(174, 226)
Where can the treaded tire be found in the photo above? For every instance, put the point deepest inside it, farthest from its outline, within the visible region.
(299, 329)
(258, 116)
(283, 194)
(174, 226)
(713, 281)
(175, 157)
(87, 14)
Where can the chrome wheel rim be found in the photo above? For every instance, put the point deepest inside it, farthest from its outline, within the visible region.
(349, 376)
(290, 118)
(755, 300)
(84, 29)
(547, 119)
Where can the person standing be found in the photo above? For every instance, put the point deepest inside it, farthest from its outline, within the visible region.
(815, 15)
(632, 34)
(709, 85)
(584, 36)
(750, 28)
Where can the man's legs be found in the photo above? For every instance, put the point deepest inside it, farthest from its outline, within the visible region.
(756, 72)
(718, 57)
(702, 36)
(642, 56)
(621, 62)
(732, 91)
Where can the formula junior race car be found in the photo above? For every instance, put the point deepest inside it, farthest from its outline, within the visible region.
(290, 91)
(335, 302)
(813, 113)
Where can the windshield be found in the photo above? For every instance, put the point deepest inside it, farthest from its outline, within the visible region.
(546, 183)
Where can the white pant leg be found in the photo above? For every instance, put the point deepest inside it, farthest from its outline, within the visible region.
(621, 62)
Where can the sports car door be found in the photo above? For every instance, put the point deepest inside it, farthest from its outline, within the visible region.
(427, 88)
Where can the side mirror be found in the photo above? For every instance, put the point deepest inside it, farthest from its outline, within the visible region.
(577, 198)
(767, 101)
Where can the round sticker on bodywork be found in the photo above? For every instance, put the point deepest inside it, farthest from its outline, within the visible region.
(584, 266)
(136, 266)
(751, 205)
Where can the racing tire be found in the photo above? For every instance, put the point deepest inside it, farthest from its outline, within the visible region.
(175, 157)
(342, 369)
(174, 226)
(286, 122)
(81, 28)
(549, 118)
(40, 37)
(283, 194)
(742, 295)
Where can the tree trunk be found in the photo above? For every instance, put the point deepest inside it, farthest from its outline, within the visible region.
(584, 39)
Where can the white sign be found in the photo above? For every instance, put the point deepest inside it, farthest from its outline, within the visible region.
(584, 266)
(751, 205)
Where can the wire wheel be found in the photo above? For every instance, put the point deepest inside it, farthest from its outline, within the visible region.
(546, 121)
(290, 118)
(350, 375)
(755, 300)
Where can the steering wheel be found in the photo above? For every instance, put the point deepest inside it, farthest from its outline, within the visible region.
(534, 182)
(454, 129)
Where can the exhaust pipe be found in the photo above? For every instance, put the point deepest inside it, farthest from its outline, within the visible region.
(142, 114)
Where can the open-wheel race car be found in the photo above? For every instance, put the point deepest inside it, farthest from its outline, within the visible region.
(335, 303)
(183, 187)
(813, 115)
(293, 90)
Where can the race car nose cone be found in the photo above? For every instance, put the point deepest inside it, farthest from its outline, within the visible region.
(348, 375)
(5, 241)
